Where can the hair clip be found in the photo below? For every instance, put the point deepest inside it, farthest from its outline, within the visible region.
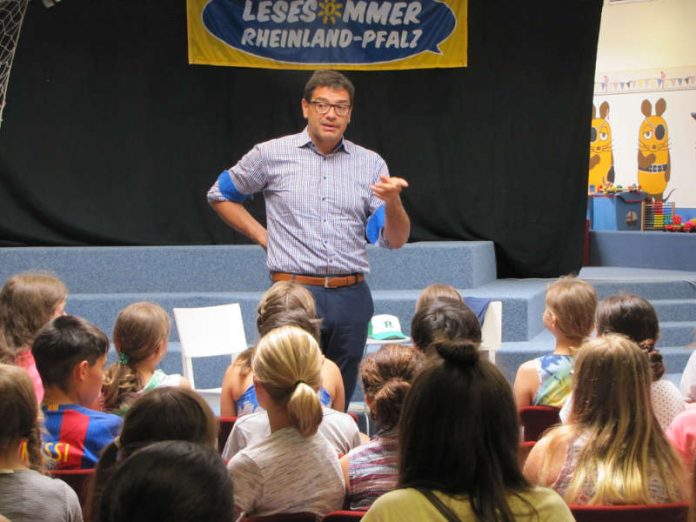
(123, 358)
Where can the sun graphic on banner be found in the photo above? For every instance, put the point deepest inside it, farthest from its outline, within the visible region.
(330, 10)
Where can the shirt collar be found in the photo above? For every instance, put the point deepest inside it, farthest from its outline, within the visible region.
(303, 140)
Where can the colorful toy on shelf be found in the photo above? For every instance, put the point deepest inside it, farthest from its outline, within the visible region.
(678, 226)
(657, 215)
(610, 188)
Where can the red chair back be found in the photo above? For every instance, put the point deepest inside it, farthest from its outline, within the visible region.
(676, 512)
(285, 517)
(225, 425)
(523, 451)
(537, 419)
(77, 479)
(344, 516)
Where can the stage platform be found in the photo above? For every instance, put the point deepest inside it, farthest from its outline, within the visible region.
(102, 280)
(663, 250)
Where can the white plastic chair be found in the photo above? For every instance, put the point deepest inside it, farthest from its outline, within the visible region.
(206, 332)
(492, 329)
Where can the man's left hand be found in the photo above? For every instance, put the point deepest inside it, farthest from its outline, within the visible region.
(389, 188)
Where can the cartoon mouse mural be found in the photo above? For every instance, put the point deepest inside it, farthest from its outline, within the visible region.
(653, 150)
(601, 153)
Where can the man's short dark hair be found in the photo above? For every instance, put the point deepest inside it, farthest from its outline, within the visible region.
(63, 343)
(331, 79)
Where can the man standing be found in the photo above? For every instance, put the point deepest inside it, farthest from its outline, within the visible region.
(320, 189)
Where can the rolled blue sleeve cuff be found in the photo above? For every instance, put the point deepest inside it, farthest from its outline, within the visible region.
(374, 229)
(227, 188)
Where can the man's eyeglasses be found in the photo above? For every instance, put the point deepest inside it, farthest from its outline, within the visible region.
(322, 107)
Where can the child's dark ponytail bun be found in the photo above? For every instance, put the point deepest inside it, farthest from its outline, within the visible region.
(457, 351)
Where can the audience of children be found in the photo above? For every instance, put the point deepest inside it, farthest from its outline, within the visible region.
(238, 392)
(612, 451)
(295, 469)
(569, 316)
(27, 302)
(458, 440)
(26, 495)
(171, 480)
(167, 413)
(141, 336)
(371, 470)
(449, 458)
(70, 355)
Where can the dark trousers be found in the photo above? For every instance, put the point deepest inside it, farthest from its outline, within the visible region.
(345, 313)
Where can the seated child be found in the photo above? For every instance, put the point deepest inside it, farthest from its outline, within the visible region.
(682, 434)
(169, 480)
(27, 302)
(569, 316)
(167, 413)
(371, 470)
(238, 393)
(295, 469)
(444, 319)
(337, 427)
(634, 317)
(141, 334)
(70, 355)
(25, 493)
(436, 292)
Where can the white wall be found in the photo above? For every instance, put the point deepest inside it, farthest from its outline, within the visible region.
(647, 40)
(647, 35)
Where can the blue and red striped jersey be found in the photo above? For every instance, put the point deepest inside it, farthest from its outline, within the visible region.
(75, 435)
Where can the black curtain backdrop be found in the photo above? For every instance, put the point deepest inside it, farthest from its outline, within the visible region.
(111, 138)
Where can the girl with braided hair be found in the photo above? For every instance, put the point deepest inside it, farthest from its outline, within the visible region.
(25, 493)
(371, 470)
(634, 317)
(141, 335)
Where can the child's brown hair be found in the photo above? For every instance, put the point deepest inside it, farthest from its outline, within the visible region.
(19, 412)
(140, 330)
(435, 292)
(573, 303)
(27, 302)
(286, 303)
(386, 377)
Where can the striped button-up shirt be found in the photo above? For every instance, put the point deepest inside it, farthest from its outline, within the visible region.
(317, 206)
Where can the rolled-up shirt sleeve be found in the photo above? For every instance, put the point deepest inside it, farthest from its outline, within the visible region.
(375, 224)
(240, 181)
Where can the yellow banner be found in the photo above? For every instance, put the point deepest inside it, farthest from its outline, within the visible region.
(338, 34)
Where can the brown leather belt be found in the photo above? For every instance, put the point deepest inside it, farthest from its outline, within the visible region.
(326, 281)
